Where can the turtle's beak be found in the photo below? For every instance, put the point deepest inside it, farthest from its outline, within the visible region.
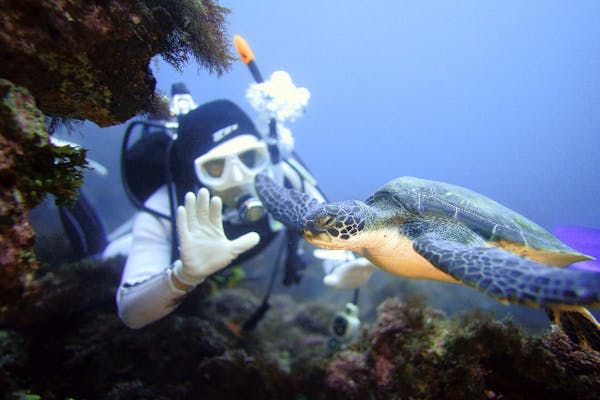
(312, 235)
(321, 239)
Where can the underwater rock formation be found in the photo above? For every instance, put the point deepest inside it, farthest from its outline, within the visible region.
(75, 347)
(89, 60)
(416, 353)
(30, 167)
(86, 60)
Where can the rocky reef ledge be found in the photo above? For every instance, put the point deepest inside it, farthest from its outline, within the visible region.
(75, 347)
(89, 60)
(82, 60)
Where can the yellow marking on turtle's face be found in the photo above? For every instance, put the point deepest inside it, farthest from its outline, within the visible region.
(556, 258)
(326, 241)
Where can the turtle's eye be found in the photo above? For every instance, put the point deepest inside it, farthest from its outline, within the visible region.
(325, 220)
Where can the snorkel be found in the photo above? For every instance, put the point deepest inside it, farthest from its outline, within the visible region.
(289, 242)
(251, 206)
(275, 100)
(247, 57)
(278, 100)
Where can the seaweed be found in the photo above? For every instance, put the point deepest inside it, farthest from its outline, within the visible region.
(30, 168)
(416, 352)
(90, 60)
(196, 30)
(79, 60)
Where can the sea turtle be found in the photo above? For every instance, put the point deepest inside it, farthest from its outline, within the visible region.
(433, 230)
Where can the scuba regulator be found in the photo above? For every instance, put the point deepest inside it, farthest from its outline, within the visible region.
(250, 209)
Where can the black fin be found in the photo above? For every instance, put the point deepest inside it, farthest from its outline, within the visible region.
(578, 324)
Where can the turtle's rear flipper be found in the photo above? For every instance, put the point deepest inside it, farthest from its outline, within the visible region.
(285, 205)
(578, 324)
(510, 278)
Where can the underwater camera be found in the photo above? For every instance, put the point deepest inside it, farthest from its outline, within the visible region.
(345, 324)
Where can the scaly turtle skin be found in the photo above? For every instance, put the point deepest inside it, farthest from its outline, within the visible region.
(433, 230)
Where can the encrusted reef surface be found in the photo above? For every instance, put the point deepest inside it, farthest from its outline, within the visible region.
(30, 167)
(413, 352)
(75, 347)
(85, 60)
(89, 60)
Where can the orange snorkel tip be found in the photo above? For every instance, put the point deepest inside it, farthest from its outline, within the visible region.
(243, 49)
(247, 57)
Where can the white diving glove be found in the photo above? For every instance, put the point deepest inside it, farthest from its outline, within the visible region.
(203, 247)
(343, 270)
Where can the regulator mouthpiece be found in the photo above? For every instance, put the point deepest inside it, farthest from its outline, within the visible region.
(250, 209)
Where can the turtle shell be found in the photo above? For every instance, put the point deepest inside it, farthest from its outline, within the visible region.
(488, 218)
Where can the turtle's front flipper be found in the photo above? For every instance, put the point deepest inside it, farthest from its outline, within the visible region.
(578, 324)
(285, 205)
(511, 278)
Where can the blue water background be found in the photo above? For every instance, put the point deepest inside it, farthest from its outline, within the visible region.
(502, 97)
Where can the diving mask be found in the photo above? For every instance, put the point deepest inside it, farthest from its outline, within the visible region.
(233, 163)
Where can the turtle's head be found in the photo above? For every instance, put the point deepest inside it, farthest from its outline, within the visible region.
(328, 225)
(285, 205)
(336, 225)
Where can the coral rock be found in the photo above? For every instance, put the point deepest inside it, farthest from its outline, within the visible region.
(30, 167)
(90, 59)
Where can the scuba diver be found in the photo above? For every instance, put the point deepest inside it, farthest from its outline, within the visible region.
(206, 217)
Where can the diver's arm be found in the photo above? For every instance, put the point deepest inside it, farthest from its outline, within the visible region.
(203, 247)
(300, 180)
(313, 192)
(148, 291)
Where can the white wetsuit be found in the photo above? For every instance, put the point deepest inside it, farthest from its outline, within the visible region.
(146, 292)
